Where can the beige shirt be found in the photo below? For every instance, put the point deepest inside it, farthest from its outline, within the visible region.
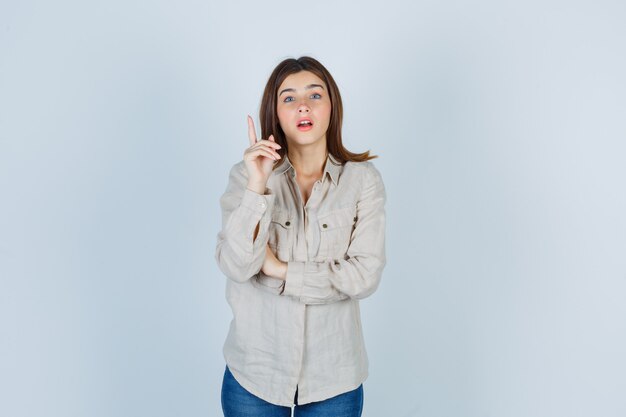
(304, 331)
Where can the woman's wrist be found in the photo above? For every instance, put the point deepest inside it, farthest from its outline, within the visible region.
(258, 188)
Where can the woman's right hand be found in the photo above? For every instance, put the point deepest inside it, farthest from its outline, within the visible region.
(259, 159)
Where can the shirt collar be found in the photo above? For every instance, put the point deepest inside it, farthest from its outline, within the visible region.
(332, 167)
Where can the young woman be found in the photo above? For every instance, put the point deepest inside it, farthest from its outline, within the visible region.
(302, 241)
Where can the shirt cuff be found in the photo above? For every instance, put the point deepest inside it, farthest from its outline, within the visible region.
(257, 202)
(268, 283)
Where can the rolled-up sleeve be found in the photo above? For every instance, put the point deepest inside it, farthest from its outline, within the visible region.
(359, 275)
(238, 254)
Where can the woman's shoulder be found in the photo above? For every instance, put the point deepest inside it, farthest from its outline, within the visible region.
(239, 166)
(365, 170)
(359, 166)
(238, 170)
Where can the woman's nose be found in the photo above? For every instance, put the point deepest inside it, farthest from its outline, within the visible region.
(303, 108)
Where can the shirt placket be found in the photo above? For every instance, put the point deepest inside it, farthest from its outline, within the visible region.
(304, 248)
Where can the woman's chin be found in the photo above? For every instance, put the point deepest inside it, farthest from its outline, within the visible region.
(304, 139)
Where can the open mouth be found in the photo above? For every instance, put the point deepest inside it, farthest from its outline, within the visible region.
(305, 124)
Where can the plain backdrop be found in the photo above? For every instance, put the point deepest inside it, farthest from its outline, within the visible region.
(501, 133)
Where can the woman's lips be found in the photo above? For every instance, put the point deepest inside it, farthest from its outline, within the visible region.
(304, 124)
(304, 128)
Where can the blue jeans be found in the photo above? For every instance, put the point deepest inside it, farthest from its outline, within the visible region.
(237, 402)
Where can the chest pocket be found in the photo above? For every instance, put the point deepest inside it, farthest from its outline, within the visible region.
(336, 229)
(281, 234)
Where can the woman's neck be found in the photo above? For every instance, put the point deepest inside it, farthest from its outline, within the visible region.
(308, 163)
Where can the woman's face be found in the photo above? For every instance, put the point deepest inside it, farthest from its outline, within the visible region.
(303, 96)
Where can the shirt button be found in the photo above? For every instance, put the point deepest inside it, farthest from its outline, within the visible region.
(287, 223)
(262, 205)
(354, 219)
(324, 225)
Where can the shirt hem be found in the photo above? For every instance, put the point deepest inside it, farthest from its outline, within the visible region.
(318, 396)
(250, 387)
(330, 393)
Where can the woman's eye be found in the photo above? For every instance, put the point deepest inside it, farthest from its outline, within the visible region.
(290, 98)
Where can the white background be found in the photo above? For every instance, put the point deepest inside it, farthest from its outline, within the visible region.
(501, 131)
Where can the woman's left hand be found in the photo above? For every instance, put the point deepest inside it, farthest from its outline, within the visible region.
(272, 266)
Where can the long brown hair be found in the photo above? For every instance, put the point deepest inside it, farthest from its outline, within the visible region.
(269, 118)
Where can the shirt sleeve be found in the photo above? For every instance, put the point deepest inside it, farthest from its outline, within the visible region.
(238, 255)
(357, 276)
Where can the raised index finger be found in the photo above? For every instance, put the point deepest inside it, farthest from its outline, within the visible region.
(251, 131)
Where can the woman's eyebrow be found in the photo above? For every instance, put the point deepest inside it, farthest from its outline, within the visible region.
(307, 88)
